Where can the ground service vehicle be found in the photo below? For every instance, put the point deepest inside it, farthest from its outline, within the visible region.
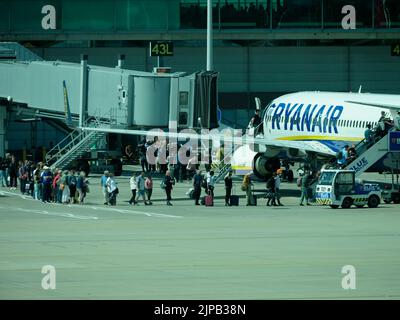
(339, 188)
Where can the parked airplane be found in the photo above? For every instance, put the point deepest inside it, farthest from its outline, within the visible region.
(306, 127)
(312, 127)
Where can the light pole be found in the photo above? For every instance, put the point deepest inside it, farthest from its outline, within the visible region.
(210, 65)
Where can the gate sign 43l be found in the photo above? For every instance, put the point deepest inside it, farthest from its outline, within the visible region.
(161, 49)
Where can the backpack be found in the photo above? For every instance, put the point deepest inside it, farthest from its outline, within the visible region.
(270, 183)
(72, 181)
(339, 155)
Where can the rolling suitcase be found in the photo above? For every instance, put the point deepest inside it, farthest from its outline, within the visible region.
(234, 200)
(208, 201)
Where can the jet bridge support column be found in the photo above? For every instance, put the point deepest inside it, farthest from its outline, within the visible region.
(84, 90)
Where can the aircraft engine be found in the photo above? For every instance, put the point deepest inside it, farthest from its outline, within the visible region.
(245, 160)
(264, 166)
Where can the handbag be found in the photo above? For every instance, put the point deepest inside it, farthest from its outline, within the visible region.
(162, 185)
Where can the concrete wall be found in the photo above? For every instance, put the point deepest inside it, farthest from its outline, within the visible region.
(266, 69)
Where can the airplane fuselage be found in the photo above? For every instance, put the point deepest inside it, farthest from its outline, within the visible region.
(326, 117)
(327, 121)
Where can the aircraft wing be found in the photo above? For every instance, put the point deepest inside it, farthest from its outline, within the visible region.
(326, 148)
(376, 104)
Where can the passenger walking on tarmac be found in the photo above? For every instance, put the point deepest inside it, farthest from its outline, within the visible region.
(47, 178)
(277, 188)
(148, 184)
(168, 183)
(72, 186)
(141, 190)
(305, 185)
(103, 181)
(81, 186)
(23, 176)
(112, 188)
(37, 185)
(228, 188)
(13, 172)
(65, 198)
(133, 186)
(246, 186)
(197, 184)
(211, 183)
(56, 187)
(271, 191)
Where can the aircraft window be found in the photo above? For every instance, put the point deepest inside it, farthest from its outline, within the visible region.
(347, 123)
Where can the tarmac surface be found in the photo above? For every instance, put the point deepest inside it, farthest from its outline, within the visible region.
(189, 252)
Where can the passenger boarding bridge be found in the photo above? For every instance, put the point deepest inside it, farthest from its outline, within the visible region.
(84, 94)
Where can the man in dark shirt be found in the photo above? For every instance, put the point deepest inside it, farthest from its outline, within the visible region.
(197, 183)
(228, 188)
(13, 172)
(168, 182)
(47, 179)
(384, 124)
(256, 123)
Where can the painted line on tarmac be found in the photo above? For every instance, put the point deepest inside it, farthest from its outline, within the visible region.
(3, 193)
(135, 212)
(58, 214)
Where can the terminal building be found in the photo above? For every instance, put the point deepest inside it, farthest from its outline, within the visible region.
(261, 48)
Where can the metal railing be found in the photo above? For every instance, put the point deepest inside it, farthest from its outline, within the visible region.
(73, 139)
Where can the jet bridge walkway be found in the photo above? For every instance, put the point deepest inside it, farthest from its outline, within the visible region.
(124, 99)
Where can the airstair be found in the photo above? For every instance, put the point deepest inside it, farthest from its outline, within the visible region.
(75, 144)
(224, 166)
(369, 154)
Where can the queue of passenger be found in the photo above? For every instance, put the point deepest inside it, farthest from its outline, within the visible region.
(43, 183)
